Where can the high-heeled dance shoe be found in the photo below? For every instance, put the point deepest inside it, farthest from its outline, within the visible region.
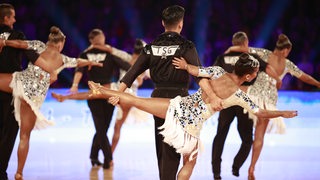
(217, 177)
(96, 162)
(95, 88)
(108, 165)
(18, 176)
(235, 172)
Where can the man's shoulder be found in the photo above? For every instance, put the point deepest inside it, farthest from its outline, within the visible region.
(15, 34)
(171, 38)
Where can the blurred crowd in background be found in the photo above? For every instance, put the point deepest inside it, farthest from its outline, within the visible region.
(210, 24)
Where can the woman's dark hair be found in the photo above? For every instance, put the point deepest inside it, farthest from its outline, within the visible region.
(245, 65)
(172, 15)
(138, 46)
(56, 35)
(283, 42)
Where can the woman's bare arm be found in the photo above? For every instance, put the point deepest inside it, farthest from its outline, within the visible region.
(21, 44)
(262, 113)
(309, 80)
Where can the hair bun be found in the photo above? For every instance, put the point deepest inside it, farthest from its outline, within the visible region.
(54, 30)
(244, 56)
(282, 37)
(283, 42)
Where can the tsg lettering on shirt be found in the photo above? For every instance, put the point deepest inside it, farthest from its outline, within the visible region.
(96, 57)
(164, 51)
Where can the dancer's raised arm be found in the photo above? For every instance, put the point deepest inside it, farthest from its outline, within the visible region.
(41, 62)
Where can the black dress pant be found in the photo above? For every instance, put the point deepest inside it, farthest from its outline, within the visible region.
(8, 133)
(168, 158)
(244, 127)
(102, 113)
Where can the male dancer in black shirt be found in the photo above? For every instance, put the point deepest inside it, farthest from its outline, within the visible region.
(11, 61)
(168, 81)
(101, 110)
(226, 116)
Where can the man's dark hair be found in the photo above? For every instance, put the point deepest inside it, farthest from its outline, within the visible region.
(93, 33)
(5, 10)
(172, 15)
(239, 38)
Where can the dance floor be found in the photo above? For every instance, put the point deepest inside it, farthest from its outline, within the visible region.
(61, 152)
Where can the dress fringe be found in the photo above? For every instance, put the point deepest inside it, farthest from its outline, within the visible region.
(18, 92)
(176, 136)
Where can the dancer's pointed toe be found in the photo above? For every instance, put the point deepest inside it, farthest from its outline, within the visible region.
(58, 97)
(95, 87)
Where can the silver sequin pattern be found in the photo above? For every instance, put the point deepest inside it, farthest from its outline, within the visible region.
(35, 83)
(212, 72)
(36, 45)
(292, 69)
(243, 96)
(192, 108)
(265, 88)
(69, 62)
(263, 53)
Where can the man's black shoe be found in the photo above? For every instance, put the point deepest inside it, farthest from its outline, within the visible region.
(235, 172)
(217, 177)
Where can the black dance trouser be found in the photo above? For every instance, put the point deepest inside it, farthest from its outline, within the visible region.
(8, 133)
(168, 158)
(102, 113)
(244, 126)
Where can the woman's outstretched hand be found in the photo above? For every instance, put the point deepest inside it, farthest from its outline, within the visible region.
(94, 63)
(180, 63)
(114, 100)
(290, 114)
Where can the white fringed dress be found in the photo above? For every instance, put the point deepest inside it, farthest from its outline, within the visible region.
(32, 85)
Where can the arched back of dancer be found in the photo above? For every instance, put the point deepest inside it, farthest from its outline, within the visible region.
(184, 116)
(30, 86)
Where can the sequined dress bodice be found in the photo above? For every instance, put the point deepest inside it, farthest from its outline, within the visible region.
(35, 82)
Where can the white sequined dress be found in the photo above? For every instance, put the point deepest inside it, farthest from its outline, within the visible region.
(186, 115)
(264, 91)
(32, 85)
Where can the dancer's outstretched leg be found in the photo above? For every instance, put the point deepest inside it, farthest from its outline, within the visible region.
(260, 131)
(117, 127)
(155, 106)
(76, 96)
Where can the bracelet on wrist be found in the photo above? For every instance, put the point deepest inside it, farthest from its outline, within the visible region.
(186, 67)
(74, 85)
